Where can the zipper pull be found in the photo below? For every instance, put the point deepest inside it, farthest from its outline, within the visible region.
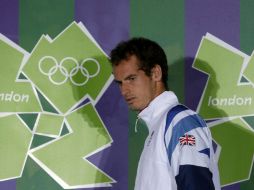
(136, 124)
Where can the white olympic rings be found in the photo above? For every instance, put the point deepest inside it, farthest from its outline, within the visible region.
(72, 65)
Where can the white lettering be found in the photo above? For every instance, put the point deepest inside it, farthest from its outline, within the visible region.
(8, 97)
(248, 101)
(24, 98)
(215, 102)
(229, 101)
(14, 97)
(239, 101)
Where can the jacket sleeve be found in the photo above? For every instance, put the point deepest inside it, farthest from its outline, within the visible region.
(191, 177)
(189, 146)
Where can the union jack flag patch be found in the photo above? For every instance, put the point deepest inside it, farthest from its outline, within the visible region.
(187, 140)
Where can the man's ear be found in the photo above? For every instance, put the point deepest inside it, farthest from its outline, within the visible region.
(156, 73)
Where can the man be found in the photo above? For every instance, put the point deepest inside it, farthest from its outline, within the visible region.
(178, 152)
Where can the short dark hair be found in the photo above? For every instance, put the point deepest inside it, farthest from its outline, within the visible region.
(147, 51)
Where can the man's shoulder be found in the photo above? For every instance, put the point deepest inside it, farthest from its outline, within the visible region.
(179, 111)
(181, 115)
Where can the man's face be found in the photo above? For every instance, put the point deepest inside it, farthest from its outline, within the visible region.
(137, 88)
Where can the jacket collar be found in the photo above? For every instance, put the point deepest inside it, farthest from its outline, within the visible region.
(157, 107)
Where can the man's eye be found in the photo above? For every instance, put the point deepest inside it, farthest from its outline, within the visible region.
(132, 78)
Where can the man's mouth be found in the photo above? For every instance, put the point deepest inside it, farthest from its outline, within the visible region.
(130, 100)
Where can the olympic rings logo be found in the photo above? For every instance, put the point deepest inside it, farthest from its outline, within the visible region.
(68, 68)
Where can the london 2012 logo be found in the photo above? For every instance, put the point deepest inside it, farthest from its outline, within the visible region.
(227, 102)
(51, 93)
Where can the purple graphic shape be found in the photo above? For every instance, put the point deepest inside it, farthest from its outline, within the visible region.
(9, 19)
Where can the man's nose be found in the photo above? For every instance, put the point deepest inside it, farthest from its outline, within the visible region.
(125, 89)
